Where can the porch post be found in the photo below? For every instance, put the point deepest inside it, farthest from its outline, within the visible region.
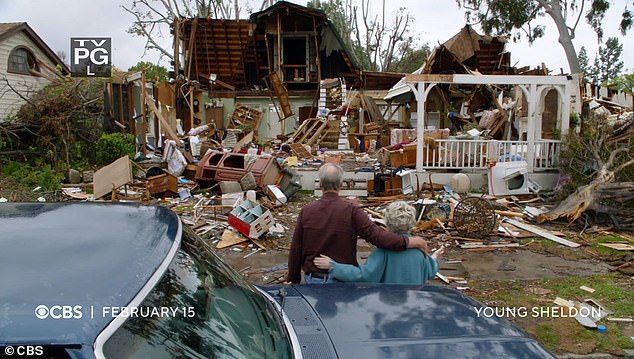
(421, 98)
(421, 91)
(532, 121)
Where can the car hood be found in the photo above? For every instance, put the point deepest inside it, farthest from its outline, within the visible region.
(397, 321)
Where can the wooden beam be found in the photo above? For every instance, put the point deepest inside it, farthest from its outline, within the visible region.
(164, 124)
(144, 124)
(428, 78)
(542, 233)
(488, 79)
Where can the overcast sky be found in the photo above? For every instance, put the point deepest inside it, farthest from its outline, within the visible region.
(435, 21)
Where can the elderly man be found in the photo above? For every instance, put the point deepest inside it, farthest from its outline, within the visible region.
(330, 226)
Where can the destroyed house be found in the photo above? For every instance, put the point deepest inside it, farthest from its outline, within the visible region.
(472, 109)
(298, 43)
(272, 63)
(480, 53)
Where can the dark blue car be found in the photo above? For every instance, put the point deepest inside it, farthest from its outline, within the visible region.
(128, 281)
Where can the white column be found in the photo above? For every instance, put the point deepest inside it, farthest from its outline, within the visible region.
(533, 100)
(421, 91)
(421, 98)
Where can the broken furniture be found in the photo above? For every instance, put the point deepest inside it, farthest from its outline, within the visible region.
(311, 131)
(218, 166)
(163, 184)
(250, 218)
(300, 151)
(387, 184)
(245, 117)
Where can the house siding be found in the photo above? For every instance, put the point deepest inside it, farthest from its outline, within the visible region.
(27, 85)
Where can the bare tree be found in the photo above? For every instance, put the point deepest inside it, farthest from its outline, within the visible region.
(153, 18)
(377, 36)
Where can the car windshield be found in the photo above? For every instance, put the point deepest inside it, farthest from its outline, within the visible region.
(200, 309)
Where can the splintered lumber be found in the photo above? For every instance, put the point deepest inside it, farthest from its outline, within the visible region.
(542, 233)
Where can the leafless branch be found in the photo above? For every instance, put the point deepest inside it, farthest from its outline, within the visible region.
(151, 43)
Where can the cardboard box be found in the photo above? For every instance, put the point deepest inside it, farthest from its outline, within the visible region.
(251, 219)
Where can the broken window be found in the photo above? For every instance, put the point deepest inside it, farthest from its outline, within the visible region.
(294, 58)
(21, 60)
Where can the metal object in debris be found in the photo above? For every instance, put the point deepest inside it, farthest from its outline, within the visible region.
(474, 217)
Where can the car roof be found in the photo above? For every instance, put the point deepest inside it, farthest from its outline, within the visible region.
(92, 255)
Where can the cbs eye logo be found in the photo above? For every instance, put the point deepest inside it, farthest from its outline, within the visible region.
(59, 312)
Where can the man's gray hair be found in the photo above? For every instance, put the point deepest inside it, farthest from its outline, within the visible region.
(400, 217)
(330, 177)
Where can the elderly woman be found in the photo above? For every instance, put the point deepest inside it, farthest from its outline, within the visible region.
(411, 266)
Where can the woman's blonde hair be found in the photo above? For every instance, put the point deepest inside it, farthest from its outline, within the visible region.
(400, 217)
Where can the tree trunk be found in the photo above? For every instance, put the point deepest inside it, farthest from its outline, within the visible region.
(565, 38)
(575, 204)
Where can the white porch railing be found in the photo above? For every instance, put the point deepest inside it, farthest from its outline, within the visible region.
(474, 154)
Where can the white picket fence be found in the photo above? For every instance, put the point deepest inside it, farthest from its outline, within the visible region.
(475, 154)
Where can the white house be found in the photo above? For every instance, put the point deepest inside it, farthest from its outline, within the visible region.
(27, 65)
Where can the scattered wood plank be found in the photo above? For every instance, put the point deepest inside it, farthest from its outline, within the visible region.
(618, 246)
(587, 289)
(243, 142)
(623, 320)
(374, 213)
(442, 277)
(509, 213)
(385, 199)
(543, 233)
(230, 238)
(475, 245)
(563, 302)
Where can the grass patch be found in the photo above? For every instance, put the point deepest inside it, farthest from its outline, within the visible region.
(564, 334)
(547, 336)
(612, 290)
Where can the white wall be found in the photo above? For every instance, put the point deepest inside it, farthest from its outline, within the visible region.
(27, 85)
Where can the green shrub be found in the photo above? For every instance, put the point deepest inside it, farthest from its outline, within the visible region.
(30, 177)
(112, 146)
